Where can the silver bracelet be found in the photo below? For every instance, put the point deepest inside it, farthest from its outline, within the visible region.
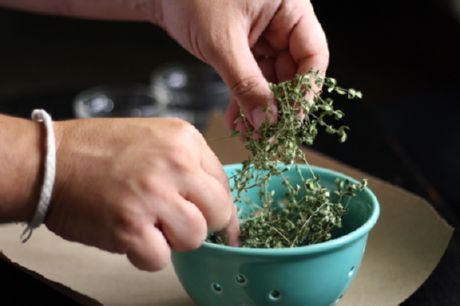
(46, 192)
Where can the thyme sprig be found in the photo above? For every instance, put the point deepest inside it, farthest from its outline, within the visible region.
(308, 212)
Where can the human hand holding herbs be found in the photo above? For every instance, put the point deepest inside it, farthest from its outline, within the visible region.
(309, 212)
(249, 43)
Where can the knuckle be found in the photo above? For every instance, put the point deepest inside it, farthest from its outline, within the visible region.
(194, 242)
(150, 183)
(196, 231)
(183, 150)
(181, 159)
(321, 51)
(185, 130)
(126, 224)
(225, 215)
(247, 86)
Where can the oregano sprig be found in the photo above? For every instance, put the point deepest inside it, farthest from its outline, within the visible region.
(308, 212)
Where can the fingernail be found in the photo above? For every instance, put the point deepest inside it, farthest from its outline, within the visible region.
(234, 242)
(232, 237)
(257, 117)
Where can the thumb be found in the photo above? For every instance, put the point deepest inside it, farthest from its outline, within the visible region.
(250, 90)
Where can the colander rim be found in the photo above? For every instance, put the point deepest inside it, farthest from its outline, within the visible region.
(329, 245)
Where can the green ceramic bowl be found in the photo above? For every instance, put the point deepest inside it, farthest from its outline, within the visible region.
(317, 275)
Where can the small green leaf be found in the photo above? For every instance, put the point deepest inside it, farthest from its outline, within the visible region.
(309, 212)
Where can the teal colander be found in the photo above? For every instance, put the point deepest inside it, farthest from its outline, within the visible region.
(316, 275)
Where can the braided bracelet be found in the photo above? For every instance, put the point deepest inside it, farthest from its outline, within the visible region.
(40, 115)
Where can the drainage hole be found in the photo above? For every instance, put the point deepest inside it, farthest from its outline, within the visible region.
(274, 295)
(217, 288)
(336, 302)
(240, 279)
(352, 270)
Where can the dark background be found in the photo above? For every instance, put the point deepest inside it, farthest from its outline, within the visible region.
(403, 55)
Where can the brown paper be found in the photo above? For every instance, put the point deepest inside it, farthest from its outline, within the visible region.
(403, 249)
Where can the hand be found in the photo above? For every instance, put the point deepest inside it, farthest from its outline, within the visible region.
(248, 43)
(138, 187)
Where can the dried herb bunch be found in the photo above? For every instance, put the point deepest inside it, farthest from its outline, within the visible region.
(307, 212)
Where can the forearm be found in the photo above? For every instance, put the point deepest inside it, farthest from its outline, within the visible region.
(129, 10)
(21, 150)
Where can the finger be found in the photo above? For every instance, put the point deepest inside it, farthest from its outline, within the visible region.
(285, 66)
(308, 44)
(212, 166)
(231, 232)
(210, 196)
(238, 67)
(183, 224)
(287, 16)
(149, 249)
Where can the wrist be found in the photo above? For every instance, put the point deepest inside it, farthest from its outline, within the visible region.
(21, 156)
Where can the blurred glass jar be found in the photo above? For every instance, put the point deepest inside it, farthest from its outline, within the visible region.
(133, 100)
(191, 91)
